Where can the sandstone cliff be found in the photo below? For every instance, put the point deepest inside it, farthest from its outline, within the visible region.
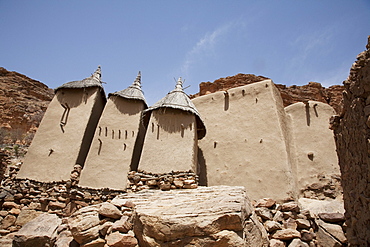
(23, 102)
(293, 94)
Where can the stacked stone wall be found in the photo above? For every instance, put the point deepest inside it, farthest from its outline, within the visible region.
(352, 133)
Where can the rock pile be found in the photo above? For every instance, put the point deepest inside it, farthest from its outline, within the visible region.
(326, 188)
(175, 180)
(290, 226)
(206, 216)
(22, 200)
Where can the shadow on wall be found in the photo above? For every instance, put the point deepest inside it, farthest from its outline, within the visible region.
(202, 168)
(73, 97)
(173, 121)
(121, 105)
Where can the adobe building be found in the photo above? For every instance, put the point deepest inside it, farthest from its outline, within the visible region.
(253, 141)
(113, 151)
(312, 144)
(66, 130)
(172, 134)
(247, 141)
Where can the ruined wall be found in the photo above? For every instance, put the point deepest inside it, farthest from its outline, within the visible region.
(170, 142)
(353, 146)
(56, 148)
(312, 144)
(246, 140)
(109, 158)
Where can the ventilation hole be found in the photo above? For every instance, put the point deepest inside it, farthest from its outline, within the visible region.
(119, 134)
(124, 146)
(99, 131)
(243, 92)
(191, 127)
(125, 134)
(256, 100)
(100, 145)
(106, 131)
(157, 131)
(214, 144)
(112, 134)
(133, 133)
(152, 127)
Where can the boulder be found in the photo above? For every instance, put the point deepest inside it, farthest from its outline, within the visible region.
(95, 243)
(117, 239)
(264, 213)
(84, 224)
(334, 230)
(8, 221)
(180, 217)
(276, 243)
(40, 231)
(109, 210)
(272, 226)
(332, 217)
(298, 243)
(265, 202)
(123, 225)
(26, 216)
(286, 234)
(320, 206)
(290, 206)
(228, 238)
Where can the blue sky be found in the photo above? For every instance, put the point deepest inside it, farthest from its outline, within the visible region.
(291, 42)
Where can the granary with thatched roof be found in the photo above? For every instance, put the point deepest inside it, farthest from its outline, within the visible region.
(66, 131)
(172, 134)
(117, 141)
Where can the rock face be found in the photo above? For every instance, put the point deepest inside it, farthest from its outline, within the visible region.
(293, 94)
(206, 216)
(23, 102)
(352, 133)
(39, 232)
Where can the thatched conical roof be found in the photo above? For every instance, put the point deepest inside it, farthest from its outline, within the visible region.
(93, 81)
(132, 92)
(178, 99)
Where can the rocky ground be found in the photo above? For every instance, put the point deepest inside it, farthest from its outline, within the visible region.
(205, 216)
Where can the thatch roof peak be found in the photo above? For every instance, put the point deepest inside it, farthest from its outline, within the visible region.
(93, 81)
(132, 92)
(178, 99)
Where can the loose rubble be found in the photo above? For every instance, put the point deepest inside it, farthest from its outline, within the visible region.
(166, 181)
(288, 225)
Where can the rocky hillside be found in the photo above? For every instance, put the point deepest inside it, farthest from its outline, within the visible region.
(290, 95)
(23, 102)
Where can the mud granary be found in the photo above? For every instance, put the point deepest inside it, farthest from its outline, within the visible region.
(242, 136)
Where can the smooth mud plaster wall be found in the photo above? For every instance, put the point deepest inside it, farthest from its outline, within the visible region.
(312, 143)
(110, 155)
(170, 142)
(245, 142)
(58, 143)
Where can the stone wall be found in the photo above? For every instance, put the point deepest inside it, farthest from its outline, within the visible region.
(352, 133)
